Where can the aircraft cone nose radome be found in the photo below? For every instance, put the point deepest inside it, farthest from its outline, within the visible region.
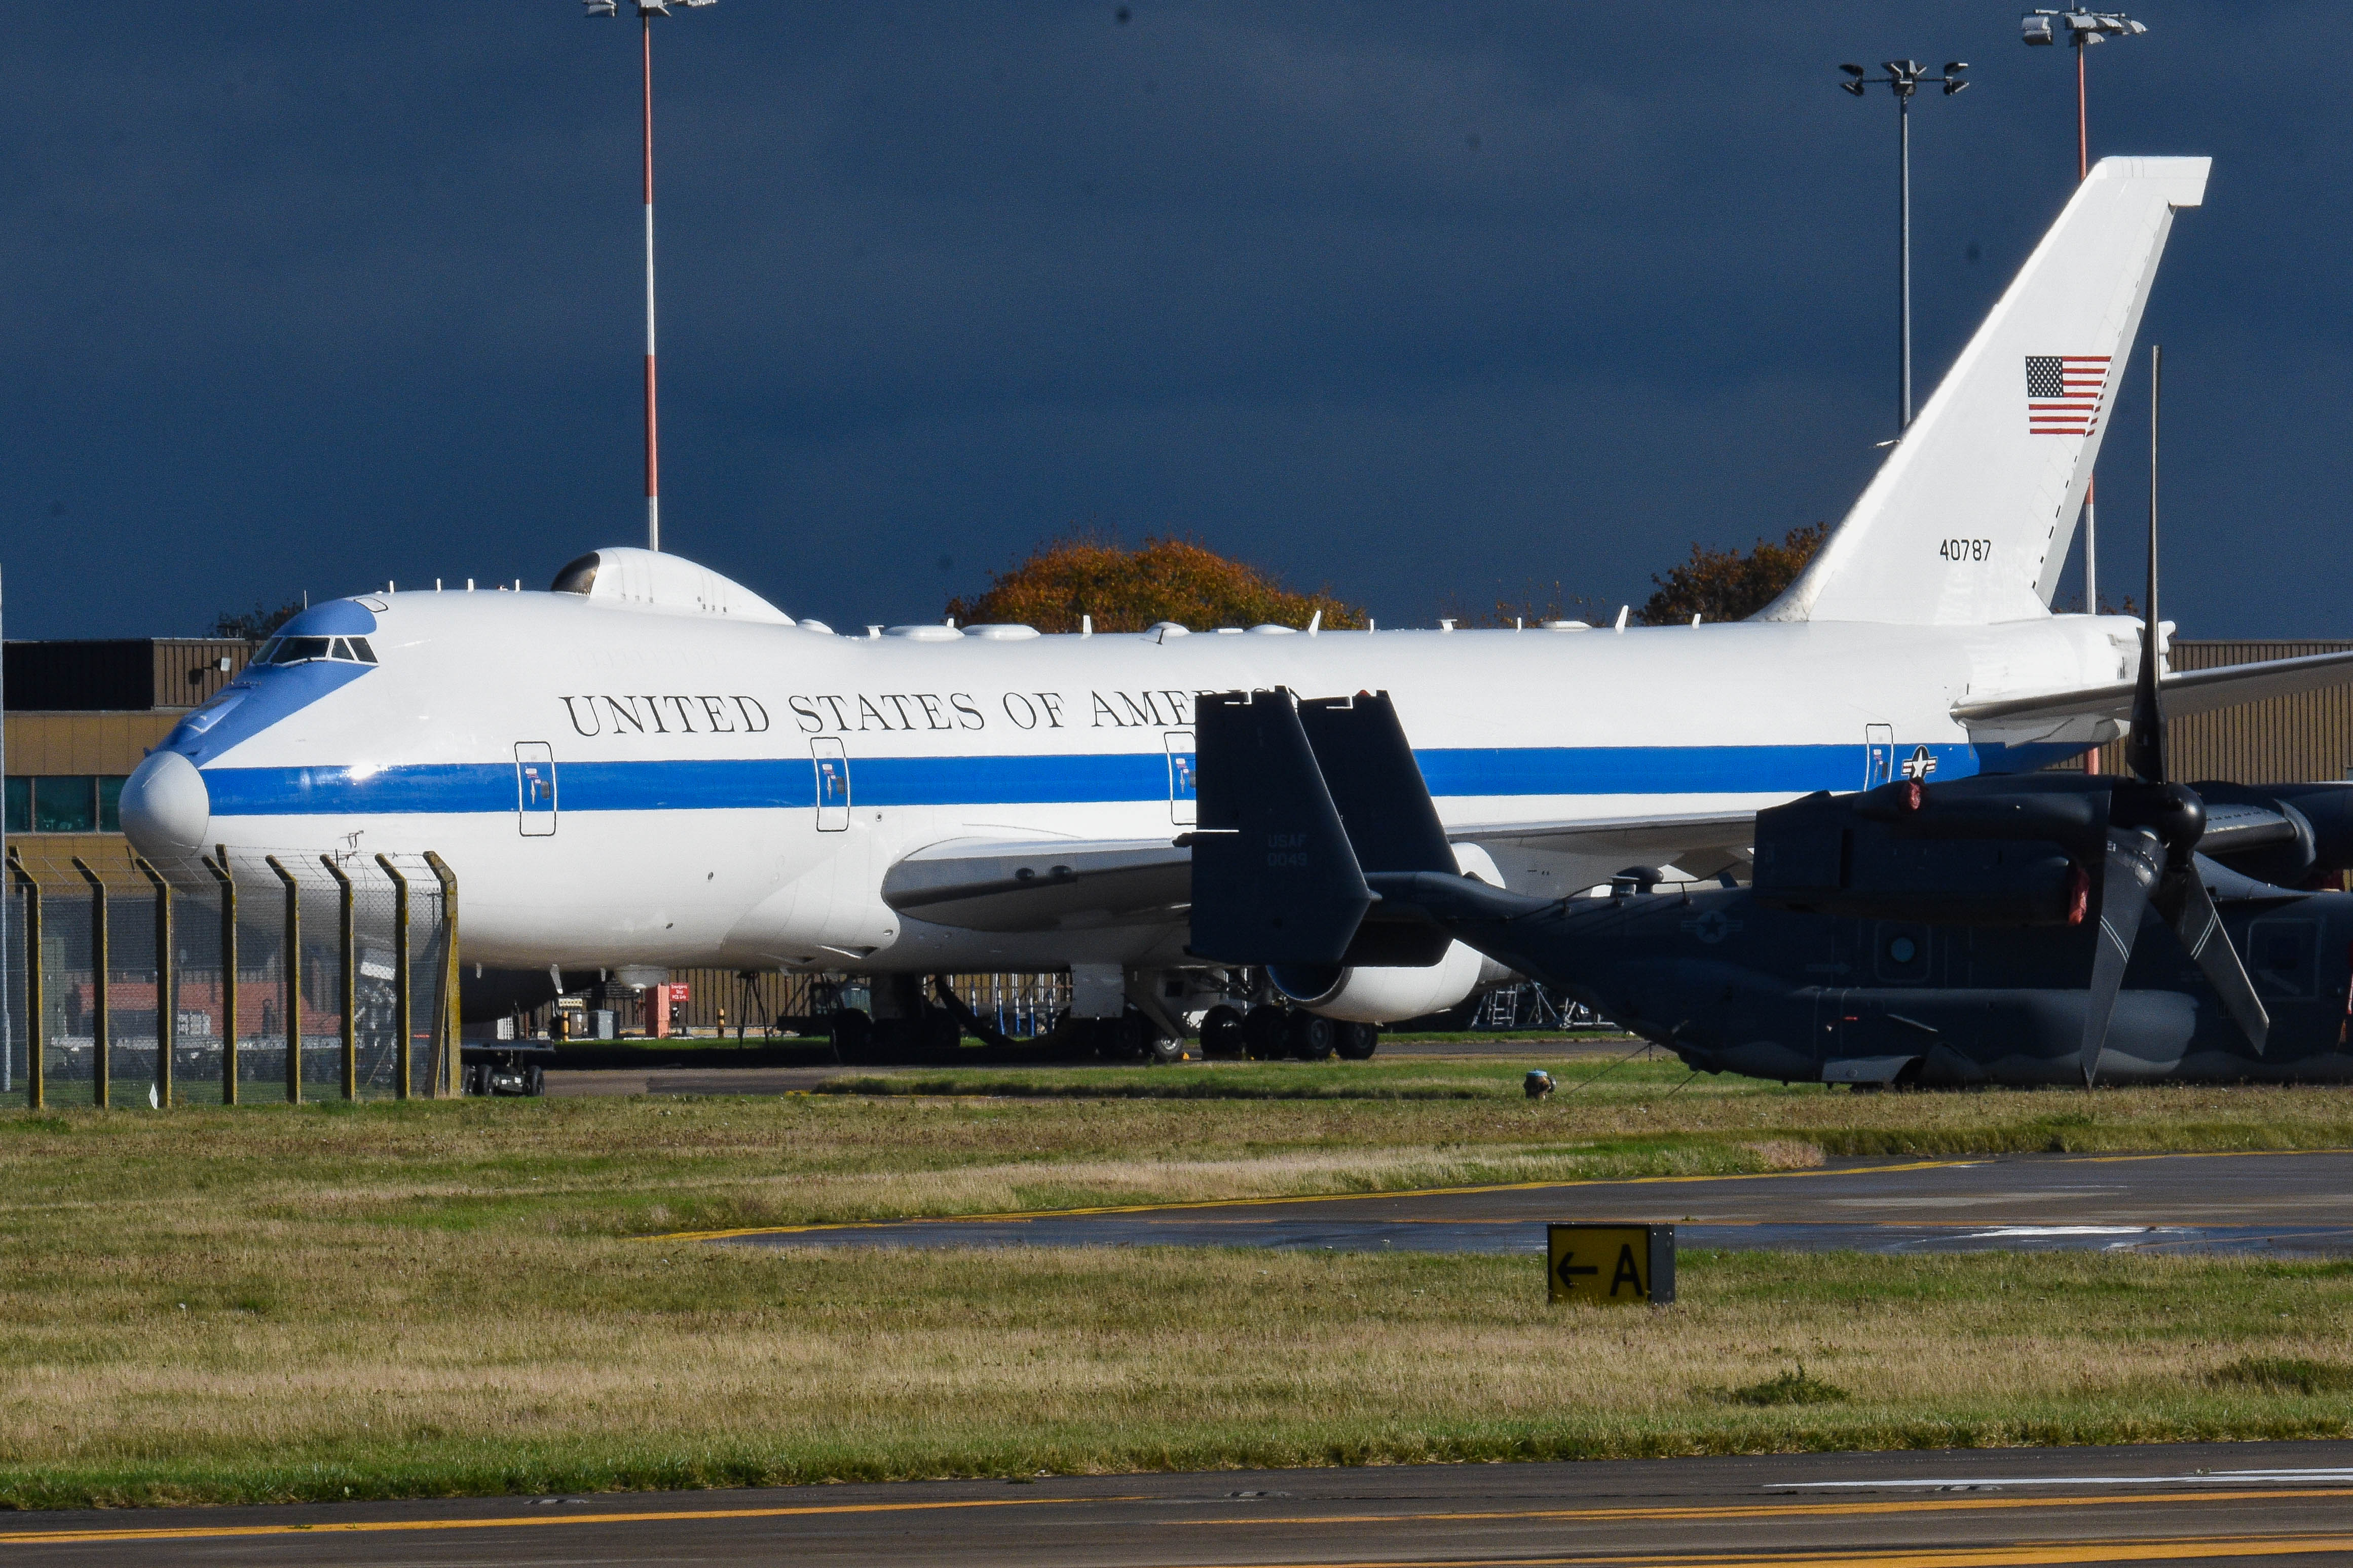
(166, 810)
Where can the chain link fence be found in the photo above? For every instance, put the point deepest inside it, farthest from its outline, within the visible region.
(248, 977)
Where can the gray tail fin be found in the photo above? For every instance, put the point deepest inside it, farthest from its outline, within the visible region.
(1298, 801)
(1368, 767)
(1275, 880)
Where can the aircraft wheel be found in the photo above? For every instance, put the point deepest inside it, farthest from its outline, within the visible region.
(1313, 1037)
(535, 1081)
(1159, 1050)
(1263, 1031)
(1221, 1033)
(1359, 1041)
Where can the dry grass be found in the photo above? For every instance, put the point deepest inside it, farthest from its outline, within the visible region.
(269, 1361)
(442, 1298)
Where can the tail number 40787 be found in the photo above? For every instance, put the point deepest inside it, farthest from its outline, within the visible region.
(1966, 550)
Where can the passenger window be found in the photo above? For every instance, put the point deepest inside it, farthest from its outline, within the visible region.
(2279, 953)
(1903, 952)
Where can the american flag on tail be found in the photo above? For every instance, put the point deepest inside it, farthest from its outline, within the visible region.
(2062, 393)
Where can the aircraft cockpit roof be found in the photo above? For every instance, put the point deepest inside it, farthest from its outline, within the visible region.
(303, 650)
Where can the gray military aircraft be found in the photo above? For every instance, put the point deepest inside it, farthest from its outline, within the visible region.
(2018, 929)
(2036, 929)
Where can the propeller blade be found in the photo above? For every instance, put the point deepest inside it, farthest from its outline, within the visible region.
(2133, 859)
(2188, 909)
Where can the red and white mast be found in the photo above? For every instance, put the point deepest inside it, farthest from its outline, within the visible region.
(647, 11)
(653, 464)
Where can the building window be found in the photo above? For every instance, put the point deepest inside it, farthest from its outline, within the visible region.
(65, 803)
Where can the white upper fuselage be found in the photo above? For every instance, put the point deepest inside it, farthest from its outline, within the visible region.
(685, 752)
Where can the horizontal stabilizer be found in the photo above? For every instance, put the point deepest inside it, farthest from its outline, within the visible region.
(2192, 691)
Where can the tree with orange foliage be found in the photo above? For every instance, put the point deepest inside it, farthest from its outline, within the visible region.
(1131, 590)
(1727, 585)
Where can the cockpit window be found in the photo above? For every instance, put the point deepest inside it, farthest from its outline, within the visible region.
(302, 650)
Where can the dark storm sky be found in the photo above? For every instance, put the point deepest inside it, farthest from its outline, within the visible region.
(1418, 302)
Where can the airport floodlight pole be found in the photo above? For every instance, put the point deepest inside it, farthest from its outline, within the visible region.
(1903, 79)
(2084, 28)
(647, 11)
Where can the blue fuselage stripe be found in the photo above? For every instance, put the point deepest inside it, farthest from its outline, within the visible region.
(770, 783)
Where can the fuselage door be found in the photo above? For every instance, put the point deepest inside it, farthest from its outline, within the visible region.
(535, 789)
(1878, 755)
(1829, 1023)
(1181, 808)
(832, 765)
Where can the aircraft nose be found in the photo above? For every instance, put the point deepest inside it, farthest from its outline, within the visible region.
(166, 810)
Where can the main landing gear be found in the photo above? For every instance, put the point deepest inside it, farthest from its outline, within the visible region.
(1271, 1032)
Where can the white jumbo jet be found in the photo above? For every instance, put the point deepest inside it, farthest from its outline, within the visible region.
(651, 766)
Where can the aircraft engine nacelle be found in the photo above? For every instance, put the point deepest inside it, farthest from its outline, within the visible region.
(2312, 833)
(1834, 855)
(1365, 994)
(1383, 993)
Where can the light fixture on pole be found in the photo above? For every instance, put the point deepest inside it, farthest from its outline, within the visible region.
(2082, 28)
(647, 11)
(1904, 78)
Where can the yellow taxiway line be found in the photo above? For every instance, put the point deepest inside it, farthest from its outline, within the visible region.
(502, 1521)
(1668, 1516)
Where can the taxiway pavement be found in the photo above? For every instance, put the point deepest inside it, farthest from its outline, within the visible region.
(2271, 1201)
(2275, 1503)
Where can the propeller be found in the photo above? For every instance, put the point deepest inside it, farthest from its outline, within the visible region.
(2154, 827)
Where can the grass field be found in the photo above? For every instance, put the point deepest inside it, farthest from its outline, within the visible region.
(448, 1298)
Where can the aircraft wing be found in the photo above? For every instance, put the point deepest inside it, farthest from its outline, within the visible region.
(1050, 884)
(1663, 836)
(2191, 692)
(1067, 884)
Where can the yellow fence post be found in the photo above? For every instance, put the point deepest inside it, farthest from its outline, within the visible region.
(228, 880)
(167, 986)
(36, 1022)
(101, 1062)
(404, 1021)
(350, 982)
(289, 981)
(445, 1075)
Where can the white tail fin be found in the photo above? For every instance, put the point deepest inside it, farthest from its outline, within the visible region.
(1970, 518)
